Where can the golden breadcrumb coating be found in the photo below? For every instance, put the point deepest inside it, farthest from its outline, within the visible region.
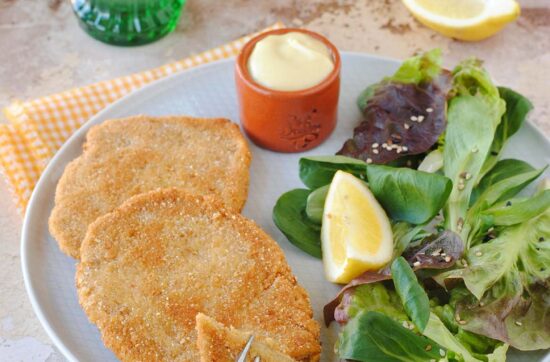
(126, 157)
(218, 343)
(150, 266)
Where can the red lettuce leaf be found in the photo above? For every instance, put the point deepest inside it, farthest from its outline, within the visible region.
(408, 117)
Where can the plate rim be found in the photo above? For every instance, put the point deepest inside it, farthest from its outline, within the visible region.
(95, 119)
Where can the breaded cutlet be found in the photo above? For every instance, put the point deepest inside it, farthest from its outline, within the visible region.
(126, 157)
(218, 343)
(151, 265)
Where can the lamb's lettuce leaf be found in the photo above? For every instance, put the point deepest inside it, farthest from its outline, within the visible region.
(289, 214)
(409, 195)
(474, 114)
(517, 108)
(414, 298)
(316, 204)
(373, 336)
(317, 171)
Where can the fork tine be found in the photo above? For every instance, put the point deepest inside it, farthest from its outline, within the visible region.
(242, 356)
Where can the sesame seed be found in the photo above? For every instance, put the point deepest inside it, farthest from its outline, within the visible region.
(375, 145)
(481, 304)
(375, 151)
(491, 229)
(436, 253)
(428, 347)
(448, 259)
(518, 323)
(460, 187)
(406, 125)
(416, 263)
(457, 317)
(414, 118)
(399, 150)
(429, 109)
(405, 148)
(441, 353)
(475, 149)
(462, 322)
(384, 145)
(420, 118)
(405, 324)
(369, 160)
(468, 176)
(479, 253)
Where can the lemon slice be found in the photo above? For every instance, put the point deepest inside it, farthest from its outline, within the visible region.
(469, 20)
(356, 234)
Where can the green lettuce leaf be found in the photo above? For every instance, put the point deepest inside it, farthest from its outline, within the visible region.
(409, 195)
(473, 116)
(516, 211)
(438, 332)
(461, 345)
(289, 214)
(373, 336)
(518, 248)
(502, 170)
(517, 108)
(414, 298)
(317, 171)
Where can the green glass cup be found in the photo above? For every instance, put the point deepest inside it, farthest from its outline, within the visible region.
(128, 22)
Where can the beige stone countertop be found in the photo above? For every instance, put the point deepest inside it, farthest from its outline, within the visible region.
(42, 50)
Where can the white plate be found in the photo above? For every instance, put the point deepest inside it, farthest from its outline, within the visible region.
(206, 91)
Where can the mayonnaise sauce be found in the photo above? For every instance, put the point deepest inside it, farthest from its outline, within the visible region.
(290, 62)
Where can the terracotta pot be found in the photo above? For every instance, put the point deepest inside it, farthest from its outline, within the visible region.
(287, 121)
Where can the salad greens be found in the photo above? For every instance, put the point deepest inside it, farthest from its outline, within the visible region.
(289, 216)
(405, 194)
(372, 336)
(316, 204)
(404, 114)
(501, 170)
(517, 108)
(473, 116)
(318, 171)
(470, 271)
(408, 195)
(414, 298)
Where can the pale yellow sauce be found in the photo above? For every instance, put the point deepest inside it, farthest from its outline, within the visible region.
(290, 62)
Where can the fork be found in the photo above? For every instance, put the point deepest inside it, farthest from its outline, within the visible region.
(242, 355)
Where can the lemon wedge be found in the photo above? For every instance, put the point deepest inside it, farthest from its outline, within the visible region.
(356, 234)
(469, 20)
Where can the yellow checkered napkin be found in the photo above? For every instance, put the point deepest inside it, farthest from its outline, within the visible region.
(39, 127)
